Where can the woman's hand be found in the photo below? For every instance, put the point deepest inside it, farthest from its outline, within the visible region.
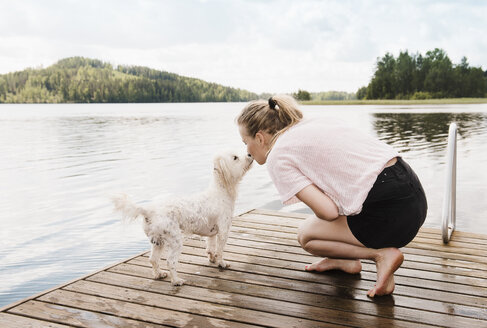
(322, 205)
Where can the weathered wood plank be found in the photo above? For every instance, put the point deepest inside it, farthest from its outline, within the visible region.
(348, 301)
(236, 306)
(292, 236)
(468, 260)
(328, 284)
(123, 298)
(8, 320)
(198, 249)
(275, 213)
(261, 222)
(286, 237)
(75, 316)
(464, 267)
(297, 253)
(143, 313)
(289, 216)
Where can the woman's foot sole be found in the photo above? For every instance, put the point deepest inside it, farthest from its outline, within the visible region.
(349, 266)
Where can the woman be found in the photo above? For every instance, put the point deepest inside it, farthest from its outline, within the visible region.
(367, 200)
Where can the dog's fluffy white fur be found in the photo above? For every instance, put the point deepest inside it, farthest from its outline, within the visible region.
(206, 214)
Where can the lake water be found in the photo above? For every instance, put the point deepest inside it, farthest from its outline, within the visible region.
(60, 163)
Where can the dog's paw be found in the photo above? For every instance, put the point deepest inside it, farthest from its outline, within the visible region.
(224, 265)
(160, 275)
(177, 282)
(211, 256)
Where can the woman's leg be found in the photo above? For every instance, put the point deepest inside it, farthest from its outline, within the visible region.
(335, 241)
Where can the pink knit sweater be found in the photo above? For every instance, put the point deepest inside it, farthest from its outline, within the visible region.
(341, 161)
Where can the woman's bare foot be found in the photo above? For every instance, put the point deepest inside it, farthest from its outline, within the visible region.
(387, 262)
(349, 266)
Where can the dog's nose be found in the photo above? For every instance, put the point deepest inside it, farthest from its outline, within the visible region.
(249, 155)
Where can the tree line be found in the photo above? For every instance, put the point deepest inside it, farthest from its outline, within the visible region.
(84, 80)
(423, 77)
(303, 95)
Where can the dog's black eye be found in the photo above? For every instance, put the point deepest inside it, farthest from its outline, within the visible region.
(235, 158)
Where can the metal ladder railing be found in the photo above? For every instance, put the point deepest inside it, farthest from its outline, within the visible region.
(449, 200)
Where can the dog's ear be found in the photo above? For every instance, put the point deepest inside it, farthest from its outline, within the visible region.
(221, 168)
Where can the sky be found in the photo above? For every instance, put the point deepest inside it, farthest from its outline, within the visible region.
(275, 46)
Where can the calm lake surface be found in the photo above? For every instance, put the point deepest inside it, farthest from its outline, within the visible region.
(60, 163)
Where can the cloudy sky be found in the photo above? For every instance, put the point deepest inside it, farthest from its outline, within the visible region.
(262, 46)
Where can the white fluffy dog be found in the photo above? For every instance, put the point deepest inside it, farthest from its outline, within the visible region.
(206, 214)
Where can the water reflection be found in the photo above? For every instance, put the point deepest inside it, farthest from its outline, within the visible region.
(415, 131)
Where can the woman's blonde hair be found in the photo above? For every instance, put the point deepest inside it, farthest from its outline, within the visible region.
(274, 116)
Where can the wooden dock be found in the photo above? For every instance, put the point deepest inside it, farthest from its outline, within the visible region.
(437, 286)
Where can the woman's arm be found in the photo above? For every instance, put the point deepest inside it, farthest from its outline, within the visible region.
(323, 207)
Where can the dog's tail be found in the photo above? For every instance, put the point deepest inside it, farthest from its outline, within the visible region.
(128, 209)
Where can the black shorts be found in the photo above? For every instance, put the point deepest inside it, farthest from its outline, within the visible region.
(393, 211)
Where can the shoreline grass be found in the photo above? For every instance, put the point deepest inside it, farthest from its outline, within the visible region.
(441, 101)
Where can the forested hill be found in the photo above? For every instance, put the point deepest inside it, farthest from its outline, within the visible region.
(83, 80)
(423, 77)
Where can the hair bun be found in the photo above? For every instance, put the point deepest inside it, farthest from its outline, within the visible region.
(272, 103)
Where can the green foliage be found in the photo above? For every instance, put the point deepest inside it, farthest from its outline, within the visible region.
(418, 77)
(361, 93)
(421, 95)
(3, 90)
(332, 95)
(84, 80)
(302, 95)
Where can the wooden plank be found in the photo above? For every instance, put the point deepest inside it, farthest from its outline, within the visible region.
(457, 233)
(275, 213)
(456, 240)
(253, 221)
(256, 271)
(8, 320)
(238, 305)
(285, 236)
(75, 316)
(123, 300)
(298, 217)
(445, 256)
(143, 313)
(468, 268)
(272, 224)
(231, 291)
(479, 256)
(469, 260)
(287, 253)
(445, 263)
(434, 277)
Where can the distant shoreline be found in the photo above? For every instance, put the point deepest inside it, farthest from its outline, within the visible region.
(441, 101)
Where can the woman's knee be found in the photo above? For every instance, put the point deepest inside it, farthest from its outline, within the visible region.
(304, 233)
(306, 236)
